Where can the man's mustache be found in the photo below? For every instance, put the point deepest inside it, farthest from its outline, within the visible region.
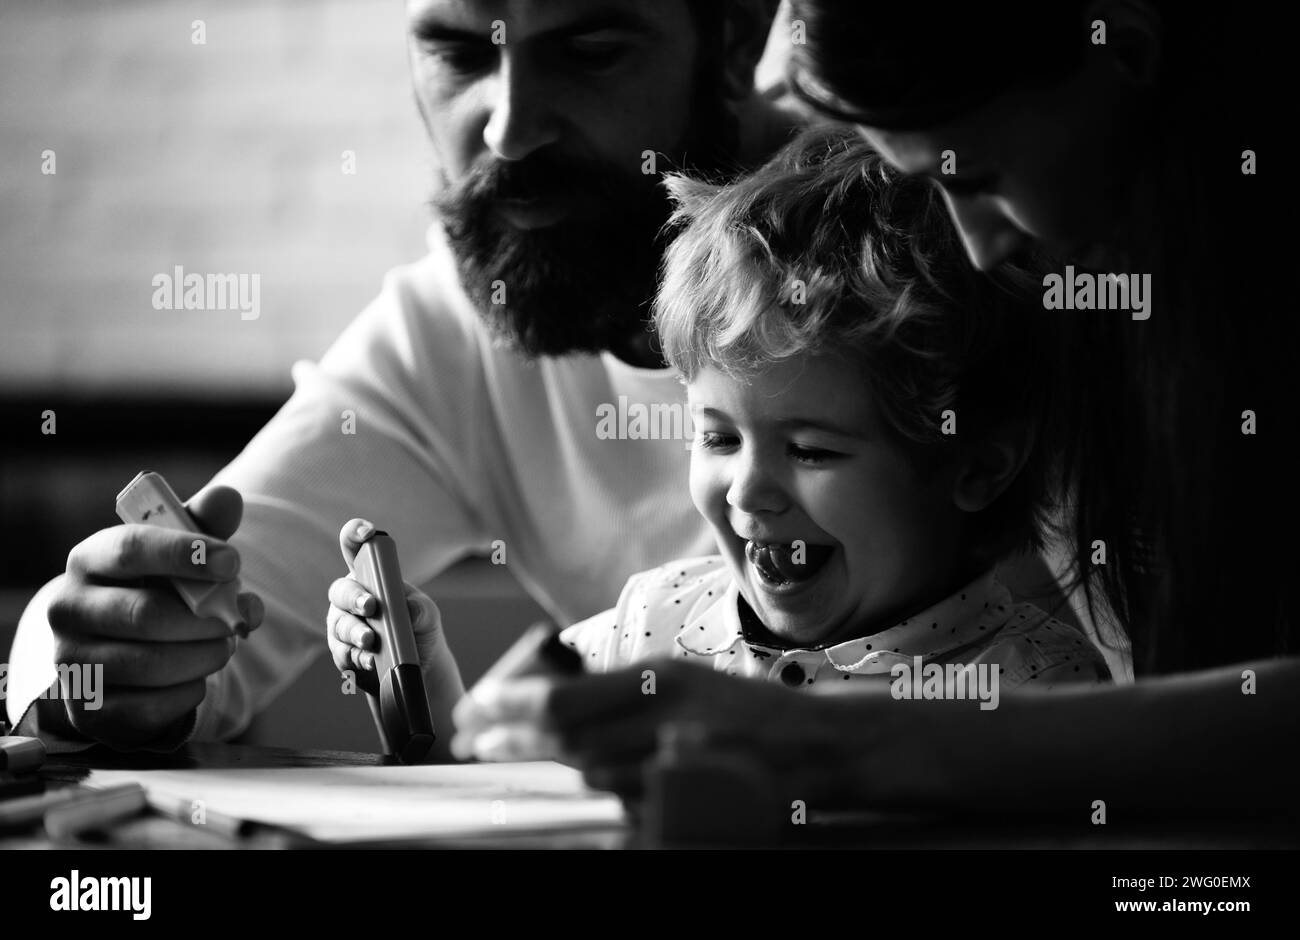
(547, 179)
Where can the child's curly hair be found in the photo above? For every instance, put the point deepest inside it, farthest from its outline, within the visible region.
(828, 250)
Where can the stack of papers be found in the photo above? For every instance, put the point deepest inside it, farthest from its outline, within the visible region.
(364, 804)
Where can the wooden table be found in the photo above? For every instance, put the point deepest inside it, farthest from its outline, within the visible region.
(877, 830)
(156, 832)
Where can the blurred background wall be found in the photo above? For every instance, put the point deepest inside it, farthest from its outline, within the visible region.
(225, 156)
(221, 156)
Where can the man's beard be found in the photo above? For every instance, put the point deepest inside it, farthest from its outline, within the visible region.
(585, 283)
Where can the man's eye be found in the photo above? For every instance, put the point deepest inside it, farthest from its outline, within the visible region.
(812, 454)
(462, 56)
(596, 54)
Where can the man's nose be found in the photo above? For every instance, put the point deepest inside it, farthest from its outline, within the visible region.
(521, 121)
(754, 486)
(989, 235)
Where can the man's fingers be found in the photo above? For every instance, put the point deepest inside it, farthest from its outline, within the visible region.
(130, 613)
(352, 536)
(253, 609)
(217, 510)
(131, 552)
(131, 717)
(147, 665)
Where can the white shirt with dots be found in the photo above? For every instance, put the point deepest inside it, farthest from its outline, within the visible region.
(688, 609)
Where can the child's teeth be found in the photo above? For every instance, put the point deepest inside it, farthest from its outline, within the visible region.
(783, 557)
(783, 562)
(760, 556)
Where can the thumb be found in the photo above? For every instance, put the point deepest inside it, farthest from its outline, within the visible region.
(217, 510)
(354, 534)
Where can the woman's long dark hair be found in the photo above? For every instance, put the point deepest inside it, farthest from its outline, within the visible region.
(1198, 521)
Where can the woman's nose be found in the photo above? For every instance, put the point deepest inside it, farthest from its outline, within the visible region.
(989, 235)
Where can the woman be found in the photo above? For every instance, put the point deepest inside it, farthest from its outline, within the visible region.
(1121, 137)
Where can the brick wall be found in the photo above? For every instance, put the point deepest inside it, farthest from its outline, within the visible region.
(222, 157)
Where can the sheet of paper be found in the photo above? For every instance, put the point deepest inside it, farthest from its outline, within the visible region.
(350, 804)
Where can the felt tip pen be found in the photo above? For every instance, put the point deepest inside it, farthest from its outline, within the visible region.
(149, 500)
(94, 809)
(20, 755)
(249, 832)
(401, 709)
(28, 810)
(538, 650)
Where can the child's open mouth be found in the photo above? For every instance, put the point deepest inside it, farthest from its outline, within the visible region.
(782, 564)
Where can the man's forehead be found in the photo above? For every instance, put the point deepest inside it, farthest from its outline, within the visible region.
(540, 16)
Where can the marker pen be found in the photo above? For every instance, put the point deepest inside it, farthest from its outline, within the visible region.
(148, 500)
(401, 709)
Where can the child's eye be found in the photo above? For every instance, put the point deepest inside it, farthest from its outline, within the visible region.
(713, 440)
(812, 454)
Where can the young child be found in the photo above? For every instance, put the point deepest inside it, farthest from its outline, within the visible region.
(870, 439)
(869, 416)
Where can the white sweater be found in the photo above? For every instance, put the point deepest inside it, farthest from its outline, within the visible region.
(458, 443)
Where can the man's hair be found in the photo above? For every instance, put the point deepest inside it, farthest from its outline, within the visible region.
(828, 250)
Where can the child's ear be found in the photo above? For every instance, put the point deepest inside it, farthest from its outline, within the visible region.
(745, 31)
(985, 470)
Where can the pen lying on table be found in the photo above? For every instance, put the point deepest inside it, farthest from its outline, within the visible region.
(248, 832)
(30, 808)
(89, 810)
(71, 812)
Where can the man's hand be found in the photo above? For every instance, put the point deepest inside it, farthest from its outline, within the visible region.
(610, 724)
(114, 608)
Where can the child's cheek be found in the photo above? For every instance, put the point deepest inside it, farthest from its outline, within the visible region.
(702, 485)
(709, 485)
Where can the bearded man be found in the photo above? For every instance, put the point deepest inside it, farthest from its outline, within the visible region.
(460, 408)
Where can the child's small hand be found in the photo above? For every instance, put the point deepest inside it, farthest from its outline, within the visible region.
(505, 720)
(351, 640)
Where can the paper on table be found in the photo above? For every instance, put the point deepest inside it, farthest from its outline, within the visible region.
(351, 804)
